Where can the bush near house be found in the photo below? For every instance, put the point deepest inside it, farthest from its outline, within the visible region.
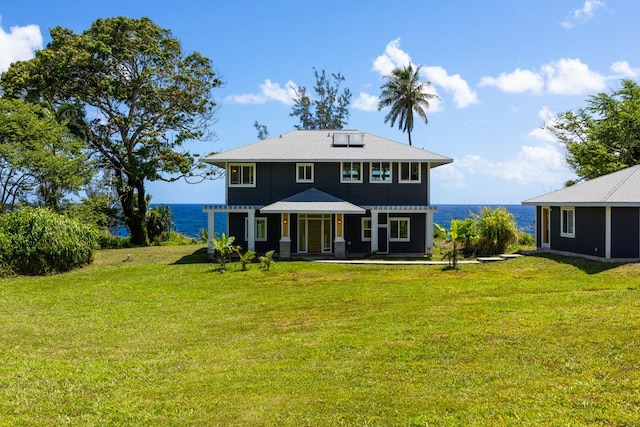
(37, 241)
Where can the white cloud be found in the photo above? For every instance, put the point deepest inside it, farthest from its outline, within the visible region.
(19, 44)
(583, 14)
(562, 77)
(572, 77)
(269, 91)
(393, 57)
(623, 69)
(366, 102)
(463, 96)
(449, 176)
(515, 82)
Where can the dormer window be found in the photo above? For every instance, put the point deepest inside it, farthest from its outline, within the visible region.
(242, 175)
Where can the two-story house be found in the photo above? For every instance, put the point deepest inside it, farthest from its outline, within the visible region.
(328, 192)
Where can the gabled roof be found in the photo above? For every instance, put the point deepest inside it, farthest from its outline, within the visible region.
(312, 201)
(319, 146)
(621, 188)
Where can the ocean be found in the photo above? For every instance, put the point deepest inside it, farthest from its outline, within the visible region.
(189, 218)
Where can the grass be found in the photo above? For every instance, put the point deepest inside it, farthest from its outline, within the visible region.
(166, 340)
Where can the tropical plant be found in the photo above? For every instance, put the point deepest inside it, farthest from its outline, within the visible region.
(147, 98)
(452, 251)
(266, 260)
(39, 241)
(246, 258)
(223, 247)
(496, 230)
(159, 223)
(405, 94)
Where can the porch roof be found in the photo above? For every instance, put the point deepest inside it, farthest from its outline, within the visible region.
(313, 201)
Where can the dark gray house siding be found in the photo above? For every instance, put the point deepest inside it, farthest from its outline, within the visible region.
(589, 232)
(625, 232)
(276, 181)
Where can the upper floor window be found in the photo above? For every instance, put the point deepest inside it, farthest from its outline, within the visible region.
(304, 172)
(380, 172)
(410, 172)
(351, 172)
(568, 222)
(242, 174)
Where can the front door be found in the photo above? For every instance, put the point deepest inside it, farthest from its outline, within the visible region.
(545, 228)
(383, 239)
(315, 235)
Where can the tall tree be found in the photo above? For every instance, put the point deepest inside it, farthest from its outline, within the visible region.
(604, 136)
(405, 94)
(39, 160)
(145, 97)
(330, 110)
(263, 132)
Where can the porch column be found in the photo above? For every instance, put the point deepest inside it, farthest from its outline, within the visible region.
(251, 230)
(339, 243)
(429, 237)
(374, 230)
(211, 229)
(285, 240)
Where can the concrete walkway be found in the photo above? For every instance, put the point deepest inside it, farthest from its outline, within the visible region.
(479, 260)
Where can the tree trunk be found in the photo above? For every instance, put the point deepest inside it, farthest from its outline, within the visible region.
(134, 210)
(409, 132)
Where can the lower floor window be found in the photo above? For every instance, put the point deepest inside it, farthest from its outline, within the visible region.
(366, 229)
(260, 229)
(568, 225)
(399, 229)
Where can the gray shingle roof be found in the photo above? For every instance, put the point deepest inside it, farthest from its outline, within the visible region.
(317, 146)
(621, 188)
(312, 201)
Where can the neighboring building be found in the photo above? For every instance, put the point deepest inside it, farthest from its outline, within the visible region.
(328, 192)
(598, 218)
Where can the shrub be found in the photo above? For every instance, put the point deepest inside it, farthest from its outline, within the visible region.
(246, 258)
(159, 224)
(266, 261)
(176, 239)
(40, 241)
(496, 231)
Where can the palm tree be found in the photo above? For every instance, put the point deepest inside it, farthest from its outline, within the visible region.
(405, 94)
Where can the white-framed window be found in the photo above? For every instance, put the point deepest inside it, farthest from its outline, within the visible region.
(351, 172)
(304, 172)
(567, 222)
(380, 172)
(366, 230)
(242, 174)
(399, 229)
(410, 173)
(260, 229)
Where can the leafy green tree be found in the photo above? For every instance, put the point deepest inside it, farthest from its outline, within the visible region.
(405, 94)
(223, 247)
(146, 96)
(263, 132)
(604, 136)
(330, 110)
(39, 159)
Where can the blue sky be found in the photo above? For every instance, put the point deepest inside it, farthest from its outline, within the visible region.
(502, 69)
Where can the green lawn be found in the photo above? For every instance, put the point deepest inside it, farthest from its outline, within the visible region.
(166, 340)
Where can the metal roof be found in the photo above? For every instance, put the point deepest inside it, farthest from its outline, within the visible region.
(318, 146)
(621, 188)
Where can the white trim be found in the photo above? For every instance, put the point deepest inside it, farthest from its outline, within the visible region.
(571, 233)
(247, 228)
(409, 181)
(351, 181)
(305, 165)
(399, 219)
(381, 181)
(607, 232)
(242, 165)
